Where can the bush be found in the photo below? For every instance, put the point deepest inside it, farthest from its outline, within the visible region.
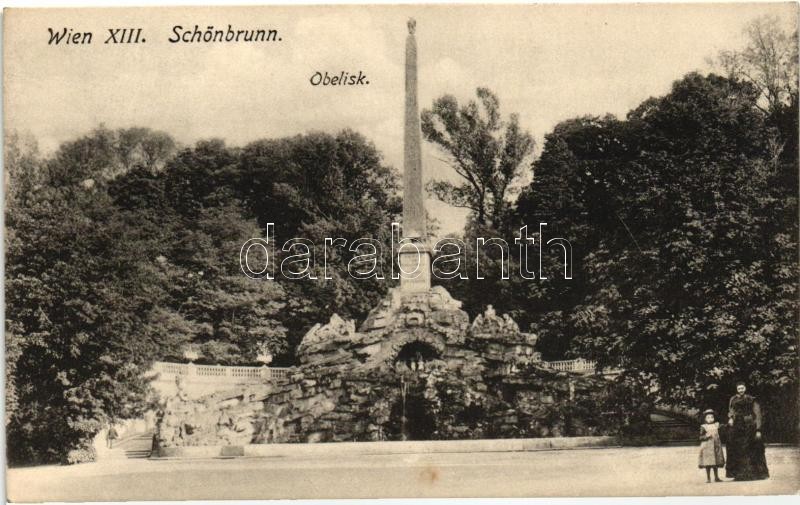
(82, 455)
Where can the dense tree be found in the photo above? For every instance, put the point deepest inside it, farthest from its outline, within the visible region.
(689, 255)
(77, 295)
(210, 199)
(489, 155)
(232, 316)
(485, 151)
(317, 186)
(568, 195)
(23, 172)
(768, 61)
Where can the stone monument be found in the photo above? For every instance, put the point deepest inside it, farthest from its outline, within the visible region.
(414, 257)
(416, 368)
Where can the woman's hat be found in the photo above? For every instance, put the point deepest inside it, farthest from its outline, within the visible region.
(709, 411)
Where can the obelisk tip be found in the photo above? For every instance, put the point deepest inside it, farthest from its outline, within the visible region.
(412, 25)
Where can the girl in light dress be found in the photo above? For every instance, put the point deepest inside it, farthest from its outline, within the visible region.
(711, 454)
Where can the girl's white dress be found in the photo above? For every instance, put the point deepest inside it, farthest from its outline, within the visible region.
(711, 453)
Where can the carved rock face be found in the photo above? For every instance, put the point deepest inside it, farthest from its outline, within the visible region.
(415, 353)
(225, 418)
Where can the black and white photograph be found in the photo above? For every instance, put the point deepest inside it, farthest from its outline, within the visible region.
(401, 251)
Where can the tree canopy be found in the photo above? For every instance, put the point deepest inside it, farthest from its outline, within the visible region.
(485, 151)
(688, 256)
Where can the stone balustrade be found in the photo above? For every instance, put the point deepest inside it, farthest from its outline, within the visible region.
(202, 380)
(233, 374)
(581, 366)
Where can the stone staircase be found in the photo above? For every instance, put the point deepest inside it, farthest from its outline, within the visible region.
(136, 446)
(672, 429)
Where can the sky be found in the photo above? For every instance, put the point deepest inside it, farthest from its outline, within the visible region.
(547, 63)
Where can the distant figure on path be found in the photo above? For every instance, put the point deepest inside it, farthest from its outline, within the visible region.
(111, 435)
(711, 455)
(746, 459)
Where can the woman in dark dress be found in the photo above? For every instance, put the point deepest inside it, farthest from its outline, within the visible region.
(746, 460)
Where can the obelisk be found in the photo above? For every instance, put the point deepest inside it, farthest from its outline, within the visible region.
(414, 258)
(413, 198)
